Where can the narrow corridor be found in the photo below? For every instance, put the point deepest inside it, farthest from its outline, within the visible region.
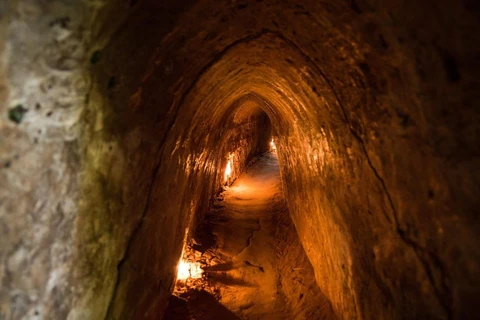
(254, 266)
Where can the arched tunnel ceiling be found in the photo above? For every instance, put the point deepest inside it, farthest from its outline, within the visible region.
(373, 106)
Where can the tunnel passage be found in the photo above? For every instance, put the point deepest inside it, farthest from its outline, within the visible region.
(245, 260)
(119, 119)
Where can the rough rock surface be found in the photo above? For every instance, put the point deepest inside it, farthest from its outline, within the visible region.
(113, 124)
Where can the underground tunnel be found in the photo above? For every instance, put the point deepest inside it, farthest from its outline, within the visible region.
(239, 159)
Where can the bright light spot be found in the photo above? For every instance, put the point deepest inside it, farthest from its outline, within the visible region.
(228, 169)
(188, 270)
(272, 145)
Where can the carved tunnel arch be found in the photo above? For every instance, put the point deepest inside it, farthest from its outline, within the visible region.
(297, 100)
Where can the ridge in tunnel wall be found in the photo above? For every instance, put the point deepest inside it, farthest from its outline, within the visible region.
(373, 109)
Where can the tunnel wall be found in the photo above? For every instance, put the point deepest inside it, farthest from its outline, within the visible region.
(374, 106)
(301, 292)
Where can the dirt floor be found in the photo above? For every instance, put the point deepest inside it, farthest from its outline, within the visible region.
(254, 266)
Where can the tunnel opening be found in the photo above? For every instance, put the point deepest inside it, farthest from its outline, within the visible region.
(243, 133)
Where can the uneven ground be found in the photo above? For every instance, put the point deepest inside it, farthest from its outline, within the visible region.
(255, 266)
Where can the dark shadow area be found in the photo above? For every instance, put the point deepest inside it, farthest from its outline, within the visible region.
(227, 280)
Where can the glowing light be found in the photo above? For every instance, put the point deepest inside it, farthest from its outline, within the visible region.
(272, 145)
(188, 270)
(228, 169)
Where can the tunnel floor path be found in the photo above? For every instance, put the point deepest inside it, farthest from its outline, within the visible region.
(254, 266)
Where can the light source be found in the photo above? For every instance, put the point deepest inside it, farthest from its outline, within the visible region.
(228, 169)
(272, 145)
(188, 270)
